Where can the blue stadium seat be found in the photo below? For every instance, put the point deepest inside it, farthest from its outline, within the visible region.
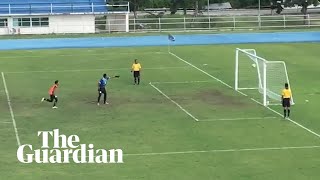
(63, 8)
(82, 7)
(58, 6)
(4, 8)
(41, 8)
(20, 8)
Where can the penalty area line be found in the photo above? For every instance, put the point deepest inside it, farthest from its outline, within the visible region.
(225, 150)
(5, 122)
(174, 102)
(238, 119)
(76, 55)
(88, 70)
(262, 149)
(180, 82)
(10, 109)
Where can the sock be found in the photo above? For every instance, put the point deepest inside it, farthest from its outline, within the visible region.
(288, 112)
(284, 113)
(99, 97)
(105, 98)
(55, 102)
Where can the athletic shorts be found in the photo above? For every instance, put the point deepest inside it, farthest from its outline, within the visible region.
(52, 97)
(286, 102)
(102, 90)
(136, 73)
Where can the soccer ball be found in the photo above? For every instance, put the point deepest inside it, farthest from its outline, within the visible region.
(254, 65)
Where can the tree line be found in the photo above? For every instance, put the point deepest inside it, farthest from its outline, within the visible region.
(174, 5)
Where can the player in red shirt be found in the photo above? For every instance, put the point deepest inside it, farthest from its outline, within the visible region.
(53, 97)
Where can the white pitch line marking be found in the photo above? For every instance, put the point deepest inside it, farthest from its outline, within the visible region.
(237, 119)
(88, 70)
(180, 82)
(224, 150)
(10, 108)
(224, 83)
(256, 101)
(88, 54)
(5, 122)
(201, 70)
(244, 94)
(174, 102)
(220, 151)
(294, 122)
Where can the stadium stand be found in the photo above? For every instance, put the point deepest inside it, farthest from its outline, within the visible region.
(28, 7)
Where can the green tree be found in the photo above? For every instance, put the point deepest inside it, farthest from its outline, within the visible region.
(277, 5)
(136, 5)
(290, 3)
(175, 4)
(305, 4)
(185, 4)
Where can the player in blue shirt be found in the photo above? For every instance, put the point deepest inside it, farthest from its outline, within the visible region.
(102, 88)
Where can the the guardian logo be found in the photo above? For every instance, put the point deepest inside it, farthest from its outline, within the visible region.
(66, 150)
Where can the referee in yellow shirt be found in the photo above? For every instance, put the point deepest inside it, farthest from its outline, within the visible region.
(286, 100)
(136, 68)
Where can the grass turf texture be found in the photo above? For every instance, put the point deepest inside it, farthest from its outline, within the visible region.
(141, 120)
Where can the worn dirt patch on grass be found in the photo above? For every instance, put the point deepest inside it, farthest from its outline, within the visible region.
(212, 97)
(216, 97)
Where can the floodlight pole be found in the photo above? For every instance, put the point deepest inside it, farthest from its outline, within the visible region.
(259, 14)
(208, 7)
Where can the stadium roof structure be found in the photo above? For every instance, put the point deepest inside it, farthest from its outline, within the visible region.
(41, 7)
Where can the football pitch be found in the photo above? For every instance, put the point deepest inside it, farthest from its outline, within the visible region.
(182, 122)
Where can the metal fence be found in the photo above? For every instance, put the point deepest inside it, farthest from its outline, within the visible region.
(212, 23)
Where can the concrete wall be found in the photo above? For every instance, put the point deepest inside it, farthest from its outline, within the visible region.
(57, 24)
(72, 24)
(4, 31)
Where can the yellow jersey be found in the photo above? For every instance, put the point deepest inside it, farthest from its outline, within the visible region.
(136, 67)
(286, 93)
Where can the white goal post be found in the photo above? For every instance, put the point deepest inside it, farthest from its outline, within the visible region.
(257, 74)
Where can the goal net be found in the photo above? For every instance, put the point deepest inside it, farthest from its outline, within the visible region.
(259, 75)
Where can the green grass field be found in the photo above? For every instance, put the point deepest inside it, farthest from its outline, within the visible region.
(235, 138)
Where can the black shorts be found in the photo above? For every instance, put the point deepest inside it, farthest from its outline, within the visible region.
(286, 102)
(136, 73)
(52, 97)
(102, 90)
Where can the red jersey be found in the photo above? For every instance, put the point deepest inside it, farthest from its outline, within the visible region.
(53, 89)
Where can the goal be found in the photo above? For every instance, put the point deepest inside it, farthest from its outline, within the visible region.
(256, 74)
